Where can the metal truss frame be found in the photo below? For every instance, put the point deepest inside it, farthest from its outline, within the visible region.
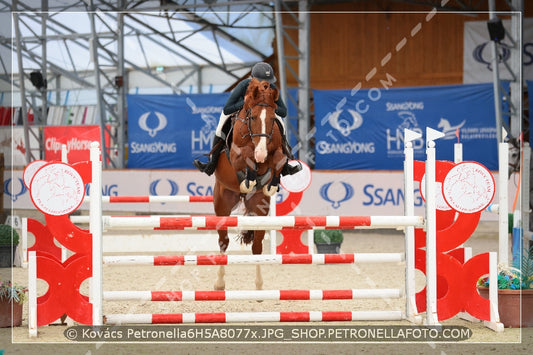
(110, 76)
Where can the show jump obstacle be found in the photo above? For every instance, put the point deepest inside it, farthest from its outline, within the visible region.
(57, 189)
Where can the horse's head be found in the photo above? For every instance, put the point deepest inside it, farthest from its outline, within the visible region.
(259, 106)
(260, 92)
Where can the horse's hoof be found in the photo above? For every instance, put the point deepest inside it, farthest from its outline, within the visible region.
(219, 287)
(247, 187)
(270, 191)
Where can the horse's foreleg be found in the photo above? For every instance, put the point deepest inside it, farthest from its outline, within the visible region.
(273, 186)
(245, 167)
(247, 180)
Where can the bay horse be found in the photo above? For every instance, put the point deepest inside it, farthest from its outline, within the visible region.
(250, 172)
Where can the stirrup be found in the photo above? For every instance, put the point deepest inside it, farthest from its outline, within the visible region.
(199, 165)
(210, 167)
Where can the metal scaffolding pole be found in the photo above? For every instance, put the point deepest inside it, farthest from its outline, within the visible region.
(496, 81)
(281, 51)
(304, 75)
(514, 67)
(23, 106)
(44, 67)
(100, 106)
(121, 85)
(295, 19)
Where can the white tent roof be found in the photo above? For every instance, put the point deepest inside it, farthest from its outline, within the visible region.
(221, 41)
(184, 42)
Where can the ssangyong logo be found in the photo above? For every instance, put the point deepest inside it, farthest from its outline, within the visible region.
(483, 55)
(343, 124)
(161, 119)
(337, 194)
(14, 192)
(154, 146)
(173, 187)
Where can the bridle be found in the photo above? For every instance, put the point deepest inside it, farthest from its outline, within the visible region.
(248, 119)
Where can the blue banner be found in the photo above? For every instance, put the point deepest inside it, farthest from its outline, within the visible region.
(169, 131)
(363, 129)
(291, 121)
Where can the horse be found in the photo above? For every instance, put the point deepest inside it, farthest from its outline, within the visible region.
(248, 172)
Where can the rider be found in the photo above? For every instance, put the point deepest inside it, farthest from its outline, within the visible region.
(260, 71)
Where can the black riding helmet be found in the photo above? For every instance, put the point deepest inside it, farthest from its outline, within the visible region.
(263, 71)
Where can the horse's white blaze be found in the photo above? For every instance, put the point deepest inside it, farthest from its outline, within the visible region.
(261, 148)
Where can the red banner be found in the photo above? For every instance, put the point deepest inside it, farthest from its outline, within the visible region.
(77, 139)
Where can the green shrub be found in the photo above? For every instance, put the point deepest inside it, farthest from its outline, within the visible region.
(328, 236)
(6, 231)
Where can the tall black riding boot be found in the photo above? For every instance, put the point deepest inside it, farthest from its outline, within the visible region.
(287, 168)
(210, 166)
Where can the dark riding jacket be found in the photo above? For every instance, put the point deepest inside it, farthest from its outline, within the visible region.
(236, 100)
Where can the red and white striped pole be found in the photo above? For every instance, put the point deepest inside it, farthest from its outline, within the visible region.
(262, 259)
(251, 295)
(153, 199)
(258, 222)
(237, 317)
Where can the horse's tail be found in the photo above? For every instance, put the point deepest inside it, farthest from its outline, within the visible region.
(246, 237)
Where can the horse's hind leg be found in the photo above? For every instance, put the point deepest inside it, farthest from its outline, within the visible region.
(224, 201)
(258, 205)
(257, 249)
(258, 278)
(220, 284)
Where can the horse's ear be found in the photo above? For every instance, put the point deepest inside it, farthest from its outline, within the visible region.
(276, 94)
(255, 91)
(247, 99)
(254, 82)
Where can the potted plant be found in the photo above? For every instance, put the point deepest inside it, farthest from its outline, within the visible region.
(12, 297)
(9, 239)
(328, 241)
(515, 292)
